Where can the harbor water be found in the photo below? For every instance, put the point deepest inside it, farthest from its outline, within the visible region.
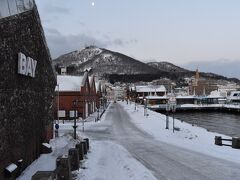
(220, 122)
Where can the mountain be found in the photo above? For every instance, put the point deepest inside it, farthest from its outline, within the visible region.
(102, 61)
(119, 67)
(166, 66)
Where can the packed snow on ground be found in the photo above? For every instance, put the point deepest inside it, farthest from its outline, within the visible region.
(47, 162)
(108, 160)
(190, 137)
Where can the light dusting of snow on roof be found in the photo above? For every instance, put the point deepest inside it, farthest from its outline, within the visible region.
(157, 97)
(70, 83)
(186, 97)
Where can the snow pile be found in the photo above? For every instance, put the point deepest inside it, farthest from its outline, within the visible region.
(190, 137)
(47, 162)
(108, 161)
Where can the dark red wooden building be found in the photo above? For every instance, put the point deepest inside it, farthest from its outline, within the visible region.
(75, 88)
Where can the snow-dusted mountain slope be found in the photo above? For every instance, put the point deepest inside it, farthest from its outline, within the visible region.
(103, 61)
(166, 66)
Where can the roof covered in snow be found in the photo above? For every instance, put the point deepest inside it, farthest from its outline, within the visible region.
(186, 97)
(160, 88)
(70, 83)
(157, 97)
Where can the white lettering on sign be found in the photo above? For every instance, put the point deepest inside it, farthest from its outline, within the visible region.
(26, 65)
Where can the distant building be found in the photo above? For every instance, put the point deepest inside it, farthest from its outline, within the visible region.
(150, 90)
(119, 93)
(200, 86)
(229, 87)
(167, 83)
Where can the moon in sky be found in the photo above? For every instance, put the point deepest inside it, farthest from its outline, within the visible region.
(93, 4)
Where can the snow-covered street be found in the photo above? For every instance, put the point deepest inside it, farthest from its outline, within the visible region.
(109, 160)
(169, 156)
(127, 145)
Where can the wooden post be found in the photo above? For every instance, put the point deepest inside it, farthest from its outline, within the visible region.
(74, 158)
(64, 168)
(218, 140)
(80, 150)
(87, 141)
(84, 144)
(236, 142)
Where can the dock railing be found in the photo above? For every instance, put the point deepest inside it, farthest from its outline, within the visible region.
(235, 142)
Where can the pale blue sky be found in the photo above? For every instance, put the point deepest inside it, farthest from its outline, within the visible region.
(179, 31)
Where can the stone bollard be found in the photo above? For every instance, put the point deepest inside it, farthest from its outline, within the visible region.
(236, 142)
(87, 141)
(218, 140)
(73, 155)
(44, 175)
(10, 171)
(20, 167)
(46, 148)
(63, 170)
(84, 144)
(80, 150)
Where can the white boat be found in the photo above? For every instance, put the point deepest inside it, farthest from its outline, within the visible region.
(234, 98)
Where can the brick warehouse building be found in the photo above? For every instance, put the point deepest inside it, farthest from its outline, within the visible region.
(79, 88)
(27, 84)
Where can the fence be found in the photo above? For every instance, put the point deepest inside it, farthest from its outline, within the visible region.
(235, 142)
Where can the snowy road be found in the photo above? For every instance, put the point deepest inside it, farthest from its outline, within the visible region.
(164, 160)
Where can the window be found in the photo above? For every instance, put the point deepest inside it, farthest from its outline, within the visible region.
(62, 113)
(71, 113)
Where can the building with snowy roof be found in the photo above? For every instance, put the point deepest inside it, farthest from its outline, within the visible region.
(150, 90)
(75, 88)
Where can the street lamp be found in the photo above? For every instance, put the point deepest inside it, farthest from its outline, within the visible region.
(58, 103)
(57, 121)
(135, 104)
(167, 115)
(98, 114)
(145, 107)
(173, 111)
(75, 118)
